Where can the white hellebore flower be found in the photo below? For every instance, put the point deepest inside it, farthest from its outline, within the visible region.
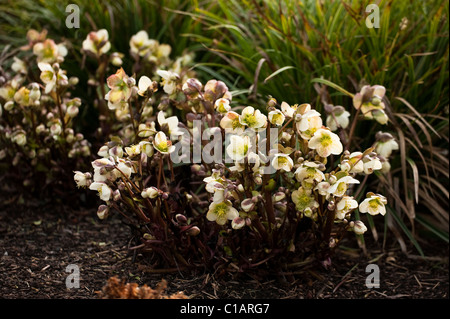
(345, 205)
(338, 119)
(340, 186)
(276, 117)
(385, 148)
(310, 172)
(373, 204)
(252, 118)
(172, 124)
(82, 179)
(97, 42)
(48, 76)
(238, 147)
(287, 109)
(230, 123)
(133, 150)
(124, 169)
(162, 144)
(325, 143)
(354, 164)
(221, 212)
(169, 80)
(150, 192)
(214, 182)
(282, 161)
(222, 105)
(309, 120)
(103, 190)
(371, 164)
(144, 83)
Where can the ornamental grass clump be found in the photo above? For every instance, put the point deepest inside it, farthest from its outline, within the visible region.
(204, 184)
(37, 115)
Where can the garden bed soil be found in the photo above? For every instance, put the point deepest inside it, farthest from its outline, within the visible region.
(39, 241)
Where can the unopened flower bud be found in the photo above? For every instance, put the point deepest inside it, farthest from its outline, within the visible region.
(73, 80)
(116, 195)
(238, 223)
(181, 219)
(248, 204)
(359, 228)
(193, 231)
(102, 211)
(279, 196)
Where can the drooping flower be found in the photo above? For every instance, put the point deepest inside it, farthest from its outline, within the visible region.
(19, 137)
(374, 204)
(283, 162)
(120, 89)
(385, 144)
(252, 118)
(310, 172)
(144, 85)
(339, 117)
(133, 150)
(371, 164)
(276, 117)
(123, 168)
(370, 100)
(345, 206)
(104, 191)
(325, 143)
(97, 42)
(169, 80)
(82, 179)
(214, 182)
(221, 212)
(339, 188)
(48, 76)
(288, 110)
(19, 66)
(150, 192)
(253, 161)
(238, 147)
(353, 164)
(171, 122)
(359, 228)
(162, 144)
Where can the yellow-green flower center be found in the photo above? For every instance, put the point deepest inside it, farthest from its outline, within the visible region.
(325, 140)
(249, 119)
(221, 211)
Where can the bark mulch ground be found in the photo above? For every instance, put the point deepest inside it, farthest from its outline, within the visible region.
(39, 241)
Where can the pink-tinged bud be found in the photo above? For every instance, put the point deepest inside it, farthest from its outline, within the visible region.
(181, 218)
(193, 231)
(238, 223)
(102, 211)
(248, 204)
(116, 195)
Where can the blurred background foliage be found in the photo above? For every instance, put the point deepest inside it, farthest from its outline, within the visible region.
(283, 49)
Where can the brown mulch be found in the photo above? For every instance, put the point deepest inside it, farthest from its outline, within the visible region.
(38, 241)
